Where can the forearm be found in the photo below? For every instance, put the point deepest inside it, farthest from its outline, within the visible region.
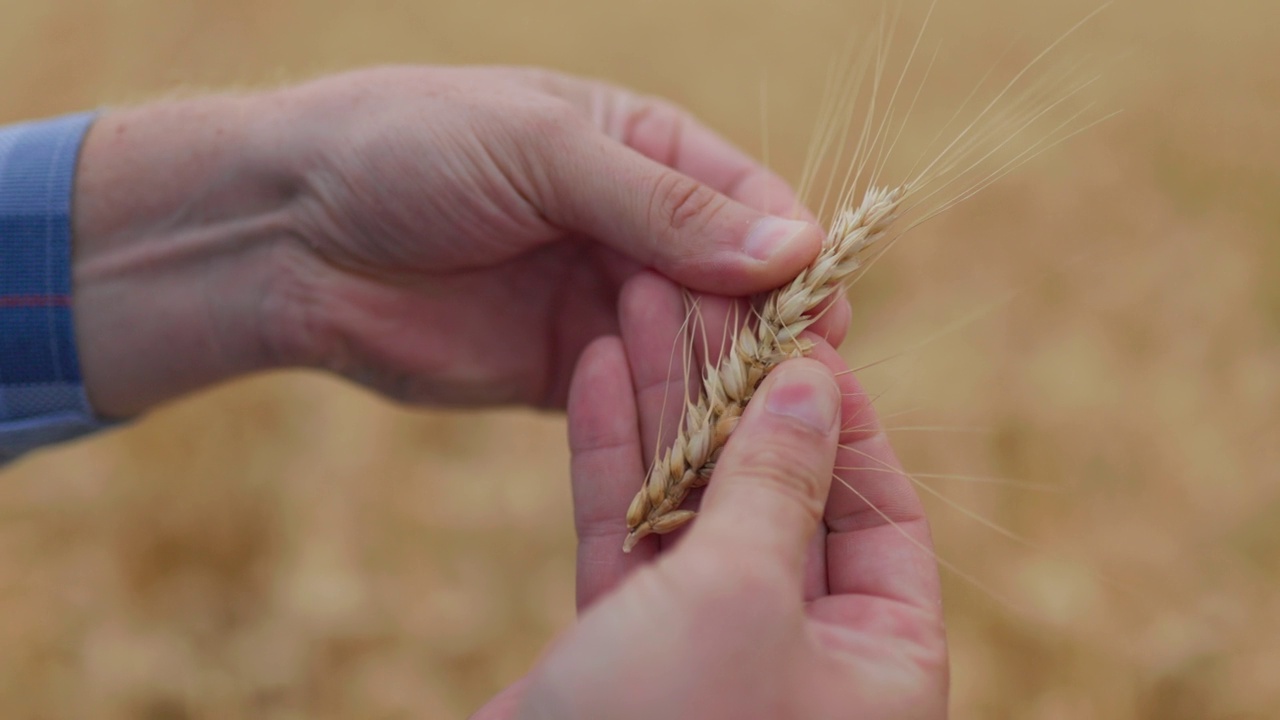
(182, 225)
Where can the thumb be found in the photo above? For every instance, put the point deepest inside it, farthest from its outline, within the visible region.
(673, 223)
(770, 484)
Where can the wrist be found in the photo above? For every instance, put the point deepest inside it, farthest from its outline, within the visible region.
(182, 213)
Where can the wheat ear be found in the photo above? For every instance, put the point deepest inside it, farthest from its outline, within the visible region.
(758, 347)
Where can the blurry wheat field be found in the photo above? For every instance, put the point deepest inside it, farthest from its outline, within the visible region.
(288, 546)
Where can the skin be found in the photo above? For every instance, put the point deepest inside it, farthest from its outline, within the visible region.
(445, 236)
(468, 236)
(789, 597)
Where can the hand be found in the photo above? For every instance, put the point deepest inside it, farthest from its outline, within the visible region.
(787, 598)
(442, 235)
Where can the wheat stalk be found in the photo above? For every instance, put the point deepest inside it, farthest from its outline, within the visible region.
(757, 349)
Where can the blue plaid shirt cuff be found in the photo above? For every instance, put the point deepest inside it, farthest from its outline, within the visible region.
(42, 398)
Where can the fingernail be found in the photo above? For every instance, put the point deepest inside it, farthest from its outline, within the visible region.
(805, 394)
(769, 235)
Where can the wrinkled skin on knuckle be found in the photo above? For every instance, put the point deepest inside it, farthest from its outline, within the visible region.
(652, 126)
(549, 119)
(680, 209)
(545, 137)
(475, 174)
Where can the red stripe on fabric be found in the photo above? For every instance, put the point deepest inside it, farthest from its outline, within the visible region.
(23, 301)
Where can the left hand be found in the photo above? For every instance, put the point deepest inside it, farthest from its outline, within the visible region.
(443, 235)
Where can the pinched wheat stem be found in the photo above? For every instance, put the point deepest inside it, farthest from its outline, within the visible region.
(759, 347)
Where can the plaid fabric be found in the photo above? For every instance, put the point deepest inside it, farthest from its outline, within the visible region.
(41, 397)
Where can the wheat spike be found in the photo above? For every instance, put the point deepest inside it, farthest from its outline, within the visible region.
(757, 349)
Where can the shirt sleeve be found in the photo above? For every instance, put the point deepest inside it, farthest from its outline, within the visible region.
(42, 398)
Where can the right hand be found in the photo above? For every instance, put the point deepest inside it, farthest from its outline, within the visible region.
(787, 598)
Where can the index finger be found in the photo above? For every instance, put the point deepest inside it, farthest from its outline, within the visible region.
(664, 132)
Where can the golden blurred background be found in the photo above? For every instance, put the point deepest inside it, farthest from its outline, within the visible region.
(289, 546)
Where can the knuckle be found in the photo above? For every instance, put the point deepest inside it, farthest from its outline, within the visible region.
(681, 203)
(545, 130)
(538, 77)
(553, 118)
(654, 127)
